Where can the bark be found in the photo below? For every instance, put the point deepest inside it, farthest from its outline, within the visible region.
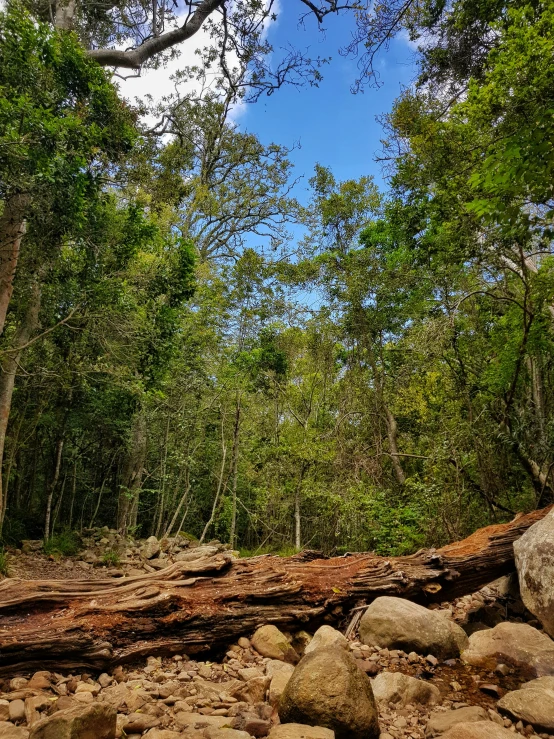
(52, 488)
(12, 230)
(132, 474)
(234, 469)
(135, 58)
(29, 324)
(206, 604)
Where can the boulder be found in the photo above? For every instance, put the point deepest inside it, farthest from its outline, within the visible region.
(28, 546)
(270, 642)
(9, 731)
(478, 730)
(196, 553)
(396, 623)
(327, 689)
(515, 644)
(439, 723)
(150, 548)
(279, 682)
(96, 721)
(534, 557)
(163, 734)
(533, 703)
(326, 636)
(400, 689)
(300, 731)
(214, 733)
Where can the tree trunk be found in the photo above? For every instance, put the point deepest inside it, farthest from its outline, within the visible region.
(132, 473)
(26, 329)
(206, 604)
(234, 468)
(52, 488)
(12, 230)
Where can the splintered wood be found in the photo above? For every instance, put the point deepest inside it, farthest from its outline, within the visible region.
(204, 605)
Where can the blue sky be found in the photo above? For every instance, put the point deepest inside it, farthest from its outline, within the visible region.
(333, 126)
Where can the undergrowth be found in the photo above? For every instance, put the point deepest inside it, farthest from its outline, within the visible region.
(65, 544)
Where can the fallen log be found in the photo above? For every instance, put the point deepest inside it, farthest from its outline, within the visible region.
(204, 605)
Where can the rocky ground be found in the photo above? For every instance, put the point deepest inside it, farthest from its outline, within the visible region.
(428, 679)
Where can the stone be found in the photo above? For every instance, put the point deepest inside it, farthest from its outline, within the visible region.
(190, 720)
(97, 721)
(40, 681)
(270, 642)
(532, 703)
(326, 636)
(17, 683)
(9, 731)
(150, 548)
(163, 734)
(279, 682)
(327, 689)
(515, 644)
(196, 553)
(17, 711)
(441, 722)
(4, 710)
(478, 730)
(214, 733)
(400, 689)
(395, 623)
(534, 558)
(28, 546)
(300, 731)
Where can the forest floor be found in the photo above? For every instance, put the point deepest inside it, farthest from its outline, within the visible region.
(194, 697)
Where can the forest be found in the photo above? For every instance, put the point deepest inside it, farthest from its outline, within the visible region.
(187, 346)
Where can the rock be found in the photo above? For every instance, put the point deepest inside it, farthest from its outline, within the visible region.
(400, 689)
(532, 703)
(9, 731)
(40, 681)
(534, 557)
(478, 730)
(395, 623)
(279, 682)
(190, 720)
(150, 548)
(327, 689)
(97, 721)
(270, 642)
(17, 683)
(439, 723)
(519, 645)
(28, 546)
(214, 733)
(326, 636)
(196, 553)
(17, 711)
(4, 710)
(252, 725)
(300, 731)
(162, 734)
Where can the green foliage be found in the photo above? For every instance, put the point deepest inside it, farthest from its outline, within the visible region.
(111, 558)
(65, 544)
(4, 567)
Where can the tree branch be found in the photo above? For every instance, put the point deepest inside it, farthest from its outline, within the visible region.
(134, 58)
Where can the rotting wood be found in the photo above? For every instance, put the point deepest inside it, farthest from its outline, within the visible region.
(205, 604)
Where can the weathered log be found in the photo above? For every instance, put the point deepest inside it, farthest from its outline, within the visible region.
(204, 605)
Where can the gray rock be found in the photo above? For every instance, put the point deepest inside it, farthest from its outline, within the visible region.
(150, 548)
(478, 730)
(533, 703)
(270, 642)
(515, 644)
(300, 731)
(400, 689)
(196, 553)
(97, 720)
(534, 557)
(439, 723)
(327, 689)
(28, 546)
(326, 636)
(395, 623)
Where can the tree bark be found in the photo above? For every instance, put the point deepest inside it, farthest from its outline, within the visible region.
(132, 474)
(206, 604)
(29, 324)
(12, 230)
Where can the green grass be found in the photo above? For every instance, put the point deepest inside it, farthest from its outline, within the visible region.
(4, 563)
(111, 558)
(65, 544)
